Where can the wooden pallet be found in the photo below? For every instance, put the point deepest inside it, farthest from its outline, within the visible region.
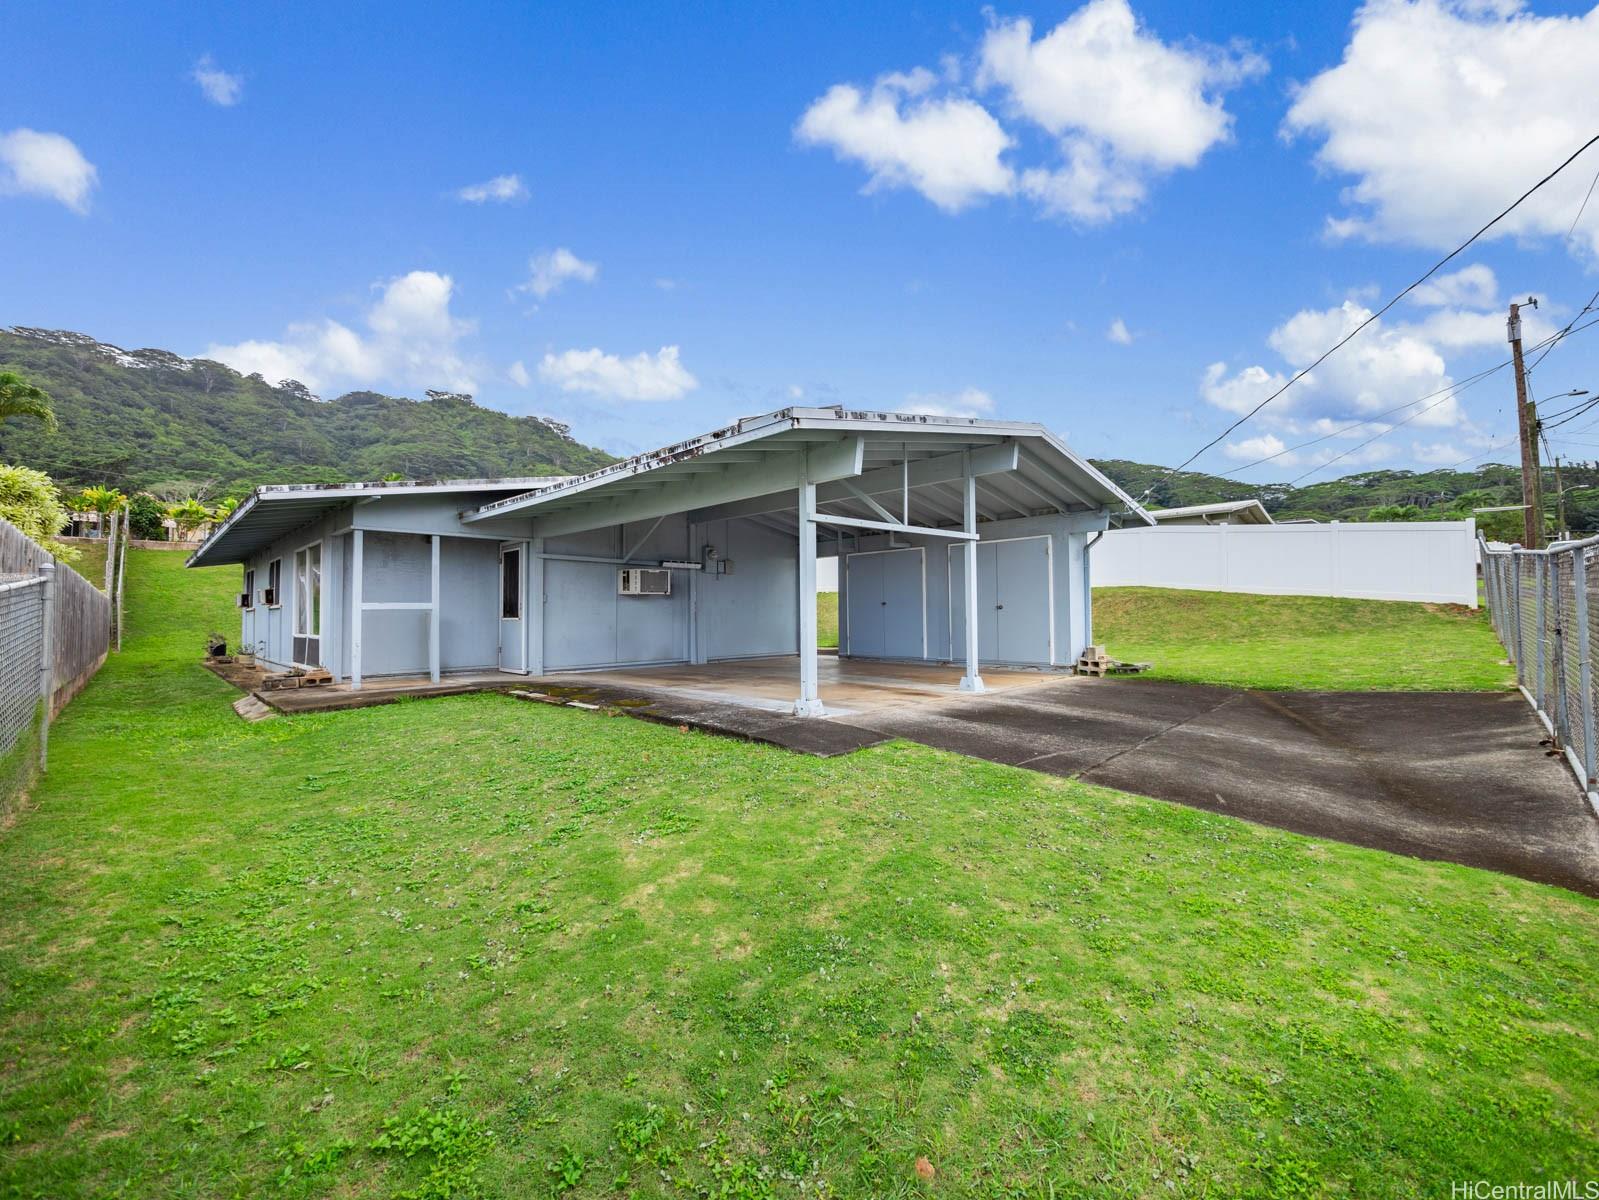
(316, 677)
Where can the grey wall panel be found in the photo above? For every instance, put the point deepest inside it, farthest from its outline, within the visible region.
(394, 642)
(399, 568)
(864, 595)
(469, 583)
(755, 610)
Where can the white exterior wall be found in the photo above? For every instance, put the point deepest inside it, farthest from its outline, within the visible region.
(1432, 561)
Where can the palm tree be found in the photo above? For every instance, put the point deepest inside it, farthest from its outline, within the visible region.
(102, 499)
(190, 515)
(224, 509)
(19, 398)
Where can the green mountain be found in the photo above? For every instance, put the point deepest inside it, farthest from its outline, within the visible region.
(138, 419)
(142, 418)
(1433, 494)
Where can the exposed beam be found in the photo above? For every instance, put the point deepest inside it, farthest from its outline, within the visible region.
(868, 501)
(893, 527)
(837, 459)
(1056, 479)
(945, 468)
(1003, 499)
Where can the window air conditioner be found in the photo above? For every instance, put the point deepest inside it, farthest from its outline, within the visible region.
(642, 581)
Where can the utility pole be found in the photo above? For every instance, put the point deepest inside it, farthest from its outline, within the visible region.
(1527, 419)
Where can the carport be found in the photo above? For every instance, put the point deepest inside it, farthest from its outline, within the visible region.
(962, 541)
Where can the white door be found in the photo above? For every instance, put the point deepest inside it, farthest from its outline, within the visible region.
(1015, 604)
(513, 607)
(887, 603)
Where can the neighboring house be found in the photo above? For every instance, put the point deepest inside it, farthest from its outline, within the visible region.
(86, 524)
(962, 541)
(1225, 512)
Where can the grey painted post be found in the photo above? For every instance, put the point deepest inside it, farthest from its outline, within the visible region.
(1584, 662)
(809, 703)
(356, 601)
(433, 612)
(47, 684)
(971, 681)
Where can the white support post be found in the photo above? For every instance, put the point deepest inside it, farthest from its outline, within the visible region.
(972, 681)
(47, 683)
(433, 614)
(809, 703)
(357, 574)
(533, 610)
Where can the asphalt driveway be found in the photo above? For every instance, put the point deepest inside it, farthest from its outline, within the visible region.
(1458, 776)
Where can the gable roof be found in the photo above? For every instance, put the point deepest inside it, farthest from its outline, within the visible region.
(1047, 476)
(1243, 512)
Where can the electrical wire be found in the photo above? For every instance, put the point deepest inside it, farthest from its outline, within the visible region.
(1348, 337)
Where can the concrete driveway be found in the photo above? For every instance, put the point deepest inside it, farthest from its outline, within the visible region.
(1458, 776)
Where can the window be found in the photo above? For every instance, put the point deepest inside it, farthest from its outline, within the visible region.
(274, 587)
(308, 591)
(249, 587)
(511, 585)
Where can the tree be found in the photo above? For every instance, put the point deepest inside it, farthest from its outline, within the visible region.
(189, 515)
(19, 398)
(224, 509)
(1396, 512)
(102, 499)
(30, 500)
(145, 514)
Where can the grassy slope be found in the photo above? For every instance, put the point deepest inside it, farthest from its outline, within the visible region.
(1301, 642)
(230, 953)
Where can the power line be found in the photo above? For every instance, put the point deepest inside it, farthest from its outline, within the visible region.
(1348, 337)
(1453, 387)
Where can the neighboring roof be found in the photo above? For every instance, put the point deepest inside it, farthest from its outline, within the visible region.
(1244, 512)
(279, 508)
(1049, 475)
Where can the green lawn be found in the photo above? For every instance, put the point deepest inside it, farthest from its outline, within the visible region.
(827, 620)
(481, 947)
(1301, 642)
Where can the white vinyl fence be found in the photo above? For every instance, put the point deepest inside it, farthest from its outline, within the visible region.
(1432, 561)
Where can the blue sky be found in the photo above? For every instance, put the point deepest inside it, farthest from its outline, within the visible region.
(1126, 222)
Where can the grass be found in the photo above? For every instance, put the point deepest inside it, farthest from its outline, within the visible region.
(476, 947)
(1313, 643)
(827, 620)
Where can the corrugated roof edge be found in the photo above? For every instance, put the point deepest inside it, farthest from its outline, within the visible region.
(268, 491)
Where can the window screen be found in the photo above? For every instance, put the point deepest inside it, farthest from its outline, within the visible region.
(511, 585)
(308, 591)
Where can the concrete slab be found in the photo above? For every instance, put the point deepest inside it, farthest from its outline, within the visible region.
(1459, 777)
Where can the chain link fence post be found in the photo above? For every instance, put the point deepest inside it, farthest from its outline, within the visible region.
(47, 686)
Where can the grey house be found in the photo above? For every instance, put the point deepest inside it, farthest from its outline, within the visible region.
(961, 541)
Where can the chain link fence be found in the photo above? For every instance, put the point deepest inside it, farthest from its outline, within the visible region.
(24, 681)
(1545, 608)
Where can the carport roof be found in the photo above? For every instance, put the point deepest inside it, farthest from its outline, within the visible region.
(732, 472)
(276, 509)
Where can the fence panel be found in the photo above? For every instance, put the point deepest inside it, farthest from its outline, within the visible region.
(1544, 606)
(1428, 561)
(45, 610)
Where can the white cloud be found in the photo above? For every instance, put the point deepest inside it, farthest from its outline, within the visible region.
(1475, 286)
(219, 86)
(948, 147)
(502, 189)
(1119, 333)
(660, 376)
(46, 164)
(1443, 112)
(1386, 367)
(518, 374)
(1264, 446)
(968, 402)
(1121, 107)
(548, 273)
(1436, 453)
(413, 339)
(795, 392)
(1124, 105)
